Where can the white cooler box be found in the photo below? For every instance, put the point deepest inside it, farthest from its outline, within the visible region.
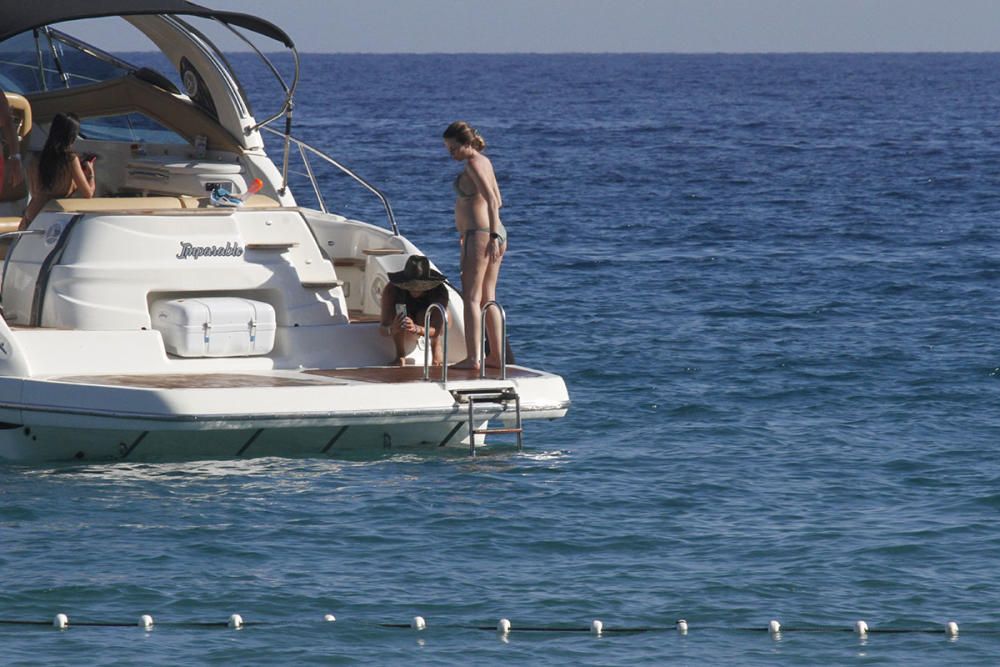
(215, 326)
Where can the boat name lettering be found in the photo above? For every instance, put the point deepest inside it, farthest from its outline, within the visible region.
(195, 251)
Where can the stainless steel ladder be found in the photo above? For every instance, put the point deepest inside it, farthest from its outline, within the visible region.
(500, 398)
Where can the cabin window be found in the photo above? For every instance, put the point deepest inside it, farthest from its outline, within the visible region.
(130, 127)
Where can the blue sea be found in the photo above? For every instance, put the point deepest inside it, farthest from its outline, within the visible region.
(772, 285)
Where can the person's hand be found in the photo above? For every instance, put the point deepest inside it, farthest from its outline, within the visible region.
(409, 325)
(88, 168)
(494, 249)
(397, 324)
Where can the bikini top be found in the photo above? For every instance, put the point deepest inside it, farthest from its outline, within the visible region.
(458, 188)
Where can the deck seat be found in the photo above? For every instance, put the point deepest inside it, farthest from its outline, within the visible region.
(153, 203)
(80, 205)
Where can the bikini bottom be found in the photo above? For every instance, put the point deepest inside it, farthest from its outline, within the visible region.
(472, 232)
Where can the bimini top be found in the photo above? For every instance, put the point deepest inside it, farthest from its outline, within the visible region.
(19, 16)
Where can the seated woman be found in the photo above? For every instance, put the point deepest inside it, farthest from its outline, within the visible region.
(405, 301)
(59, 172)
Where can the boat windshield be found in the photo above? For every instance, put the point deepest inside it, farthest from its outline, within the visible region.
(47, 59)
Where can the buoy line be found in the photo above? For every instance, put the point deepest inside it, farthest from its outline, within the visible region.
(505, 627)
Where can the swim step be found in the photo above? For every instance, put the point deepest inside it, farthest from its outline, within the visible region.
(491, 396)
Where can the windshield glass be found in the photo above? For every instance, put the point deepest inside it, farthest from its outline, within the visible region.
(46, 60)
(130, 127)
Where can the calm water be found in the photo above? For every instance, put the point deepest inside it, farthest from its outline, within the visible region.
(772, 286)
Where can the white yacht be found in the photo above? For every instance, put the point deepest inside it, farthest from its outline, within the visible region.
(150, 322)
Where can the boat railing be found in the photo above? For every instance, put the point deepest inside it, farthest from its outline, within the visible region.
(303, 147)
(502, 342)
(427, 341)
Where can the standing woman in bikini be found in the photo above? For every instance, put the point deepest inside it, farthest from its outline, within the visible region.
(59, 171)
(483, 239)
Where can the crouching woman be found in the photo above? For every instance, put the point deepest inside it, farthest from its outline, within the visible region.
(405, 301)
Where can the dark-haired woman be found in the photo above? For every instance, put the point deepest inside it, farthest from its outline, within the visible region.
(59, 172)
(483, 238)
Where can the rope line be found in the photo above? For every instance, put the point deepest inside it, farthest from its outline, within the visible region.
(505, 627)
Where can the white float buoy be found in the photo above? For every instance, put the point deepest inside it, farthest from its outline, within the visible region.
(418, 623)
(329, 618)
(236, 621)
(596, 627)
(861, 628)
(682, 626)
(951, 629)
(774, 627)
(61, 621)
(146, 622)
(503, 626)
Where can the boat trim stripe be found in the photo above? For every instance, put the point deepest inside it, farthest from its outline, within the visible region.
(451, 434)
(450, 411)
(134, 444)
(334, 439)
(250, 442)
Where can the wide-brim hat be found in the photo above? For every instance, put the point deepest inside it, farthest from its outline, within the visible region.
(417, 275)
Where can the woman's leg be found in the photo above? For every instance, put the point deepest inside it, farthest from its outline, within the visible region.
(474, 265)
(494, 330)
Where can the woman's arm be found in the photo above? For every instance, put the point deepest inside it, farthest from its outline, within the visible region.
(83, 176)
(486, 183)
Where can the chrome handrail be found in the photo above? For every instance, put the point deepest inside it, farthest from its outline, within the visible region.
(289, 89)
(368, 186)
(427, 341)
(19, 233)
(502, 342)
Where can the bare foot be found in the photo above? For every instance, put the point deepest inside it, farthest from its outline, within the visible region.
(492, 362)
(401, 361)
(467, 364)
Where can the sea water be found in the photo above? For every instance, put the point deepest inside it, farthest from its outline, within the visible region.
(771, 284)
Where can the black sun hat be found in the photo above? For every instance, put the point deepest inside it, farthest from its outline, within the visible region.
(417, 275)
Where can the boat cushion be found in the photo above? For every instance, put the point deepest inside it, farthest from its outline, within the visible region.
(101, 204)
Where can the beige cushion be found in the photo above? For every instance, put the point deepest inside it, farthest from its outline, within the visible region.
(156, 203)
(74, 204)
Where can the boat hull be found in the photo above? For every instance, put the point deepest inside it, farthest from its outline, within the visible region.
(342, 412)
